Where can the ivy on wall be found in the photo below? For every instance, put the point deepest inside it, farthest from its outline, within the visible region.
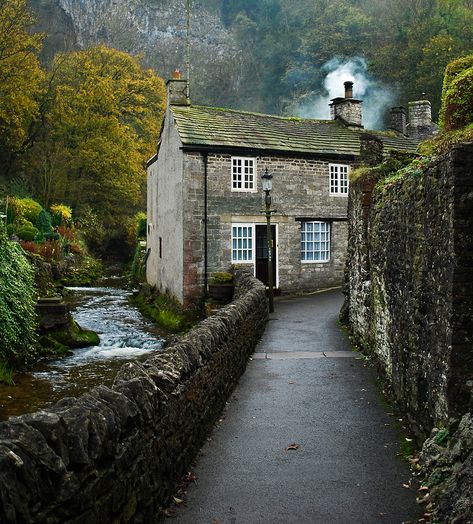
(17, 300)
(457, 95)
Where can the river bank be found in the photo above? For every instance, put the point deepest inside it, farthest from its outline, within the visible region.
(125, 335)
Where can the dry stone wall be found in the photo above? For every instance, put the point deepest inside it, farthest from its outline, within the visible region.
(409, 284)
(115, 455)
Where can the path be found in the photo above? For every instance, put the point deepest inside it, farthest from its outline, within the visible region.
(346, 469)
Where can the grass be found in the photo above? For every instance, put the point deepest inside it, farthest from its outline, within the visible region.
(165, 311)
(6, 374)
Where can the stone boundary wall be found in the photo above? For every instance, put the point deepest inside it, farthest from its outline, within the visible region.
(409, 284)
(115, 454)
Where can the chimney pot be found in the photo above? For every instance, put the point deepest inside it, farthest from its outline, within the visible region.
(176, 74)
(398, 120)
(348, 89)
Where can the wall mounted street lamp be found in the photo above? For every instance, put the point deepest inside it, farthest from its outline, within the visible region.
(267, 182)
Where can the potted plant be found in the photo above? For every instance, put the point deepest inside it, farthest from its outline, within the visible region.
(221, 286)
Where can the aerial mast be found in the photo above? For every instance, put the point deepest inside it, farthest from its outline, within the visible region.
(188, 45)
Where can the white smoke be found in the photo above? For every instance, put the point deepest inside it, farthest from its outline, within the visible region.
(376, 98)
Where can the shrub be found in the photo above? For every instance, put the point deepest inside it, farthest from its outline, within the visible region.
(50, 250)
(17, 300)
(67, 233)
(141, 224)
(43, 222)
(31, 247)
(60, 214)
(457, 94)
(221, 277)
(27, 232)
(10, 230)
(25, 208)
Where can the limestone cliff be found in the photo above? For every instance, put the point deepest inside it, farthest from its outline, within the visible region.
(154, 28)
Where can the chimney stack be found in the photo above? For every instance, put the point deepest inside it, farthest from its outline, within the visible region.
(177, 90)
(420, 120)
(398, 120)
(347, 109)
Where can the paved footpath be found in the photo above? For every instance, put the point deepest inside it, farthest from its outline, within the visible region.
(304, 386)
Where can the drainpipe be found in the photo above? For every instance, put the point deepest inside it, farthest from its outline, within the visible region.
(206, 274)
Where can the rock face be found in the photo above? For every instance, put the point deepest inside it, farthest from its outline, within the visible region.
(409, 283)
(115, 455)
(156, 29)
(448, 469)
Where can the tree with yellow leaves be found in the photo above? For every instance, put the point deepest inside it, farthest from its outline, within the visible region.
(21, 79)
(102, 125)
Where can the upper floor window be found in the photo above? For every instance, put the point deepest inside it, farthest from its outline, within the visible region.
(243, 174)
(339, 179)
(315, 241)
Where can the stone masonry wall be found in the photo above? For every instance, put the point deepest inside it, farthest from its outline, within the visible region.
(301, 190)
(409, 284)
(115, 455)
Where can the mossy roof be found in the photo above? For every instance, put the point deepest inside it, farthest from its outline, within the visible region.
(227, 128)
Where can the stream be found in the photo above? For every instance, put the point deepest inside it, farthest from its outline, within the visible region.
(125, 335)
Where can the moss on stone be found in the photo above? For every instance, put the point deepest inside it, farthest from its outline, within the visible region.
(62, 340)
(457, 94)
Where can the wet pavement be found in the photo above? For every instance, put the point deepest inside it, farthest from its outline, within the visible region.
(305, 437)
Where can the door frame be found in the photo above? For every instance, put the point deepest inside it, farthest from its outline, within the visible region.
(253, 262)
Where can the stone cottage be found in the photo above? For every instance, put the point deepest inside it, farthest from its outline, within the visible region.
(205, 194)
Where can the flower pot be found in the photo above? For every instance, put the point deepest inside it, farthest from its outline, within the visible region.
(222, 292)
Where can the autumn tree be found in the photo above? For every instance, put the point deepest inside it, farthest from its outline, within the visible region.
(102, 125)
(21, 80)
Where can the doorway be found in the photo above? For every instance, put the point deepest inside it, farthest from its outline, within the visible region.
(262, 254)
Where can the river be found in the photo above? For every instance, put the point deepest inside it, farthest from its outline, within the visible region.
(125, 335)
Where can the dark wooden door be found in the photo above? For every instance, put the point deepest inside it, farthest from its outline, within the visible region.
(262, 254)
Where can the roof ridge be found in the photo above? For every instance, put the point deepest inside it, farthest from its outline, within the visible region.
(253, 113)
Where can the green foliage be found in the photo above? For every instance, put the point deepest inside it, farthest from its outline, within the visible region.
(43, 222)
(61, 215)
(221, 277)
(442, 437)
(457, 94)
(138, 265)
(6, 374)
(25, 209)
(141, 220)
(444, 141)
(17, 300)
(165, 311)
(21, 79)
(27, 232)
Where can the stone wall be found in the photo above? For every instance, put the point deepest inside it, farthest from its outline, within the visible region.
(410, 287)
(165, 214)
(301, 191)
(115, 455)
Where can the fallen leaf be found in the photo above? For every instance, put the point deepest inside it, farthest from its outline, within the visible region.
(190, 477)
(423, 488)
(408, 439)
(406, 486)
(290, 382)
(170, 513)
(292, 446)
(177, 500)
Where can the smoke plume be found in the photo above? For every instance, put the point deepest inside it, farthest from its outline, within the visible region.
(376, 98)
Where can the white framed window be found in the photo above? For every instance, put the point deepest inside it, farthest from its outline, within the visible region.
(339, 179)
(315, 241)
(243, 242)
(243, 174)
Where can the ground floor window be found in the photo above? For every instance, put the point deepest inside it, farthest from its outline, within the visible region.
(315, 241)
(242, 243)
